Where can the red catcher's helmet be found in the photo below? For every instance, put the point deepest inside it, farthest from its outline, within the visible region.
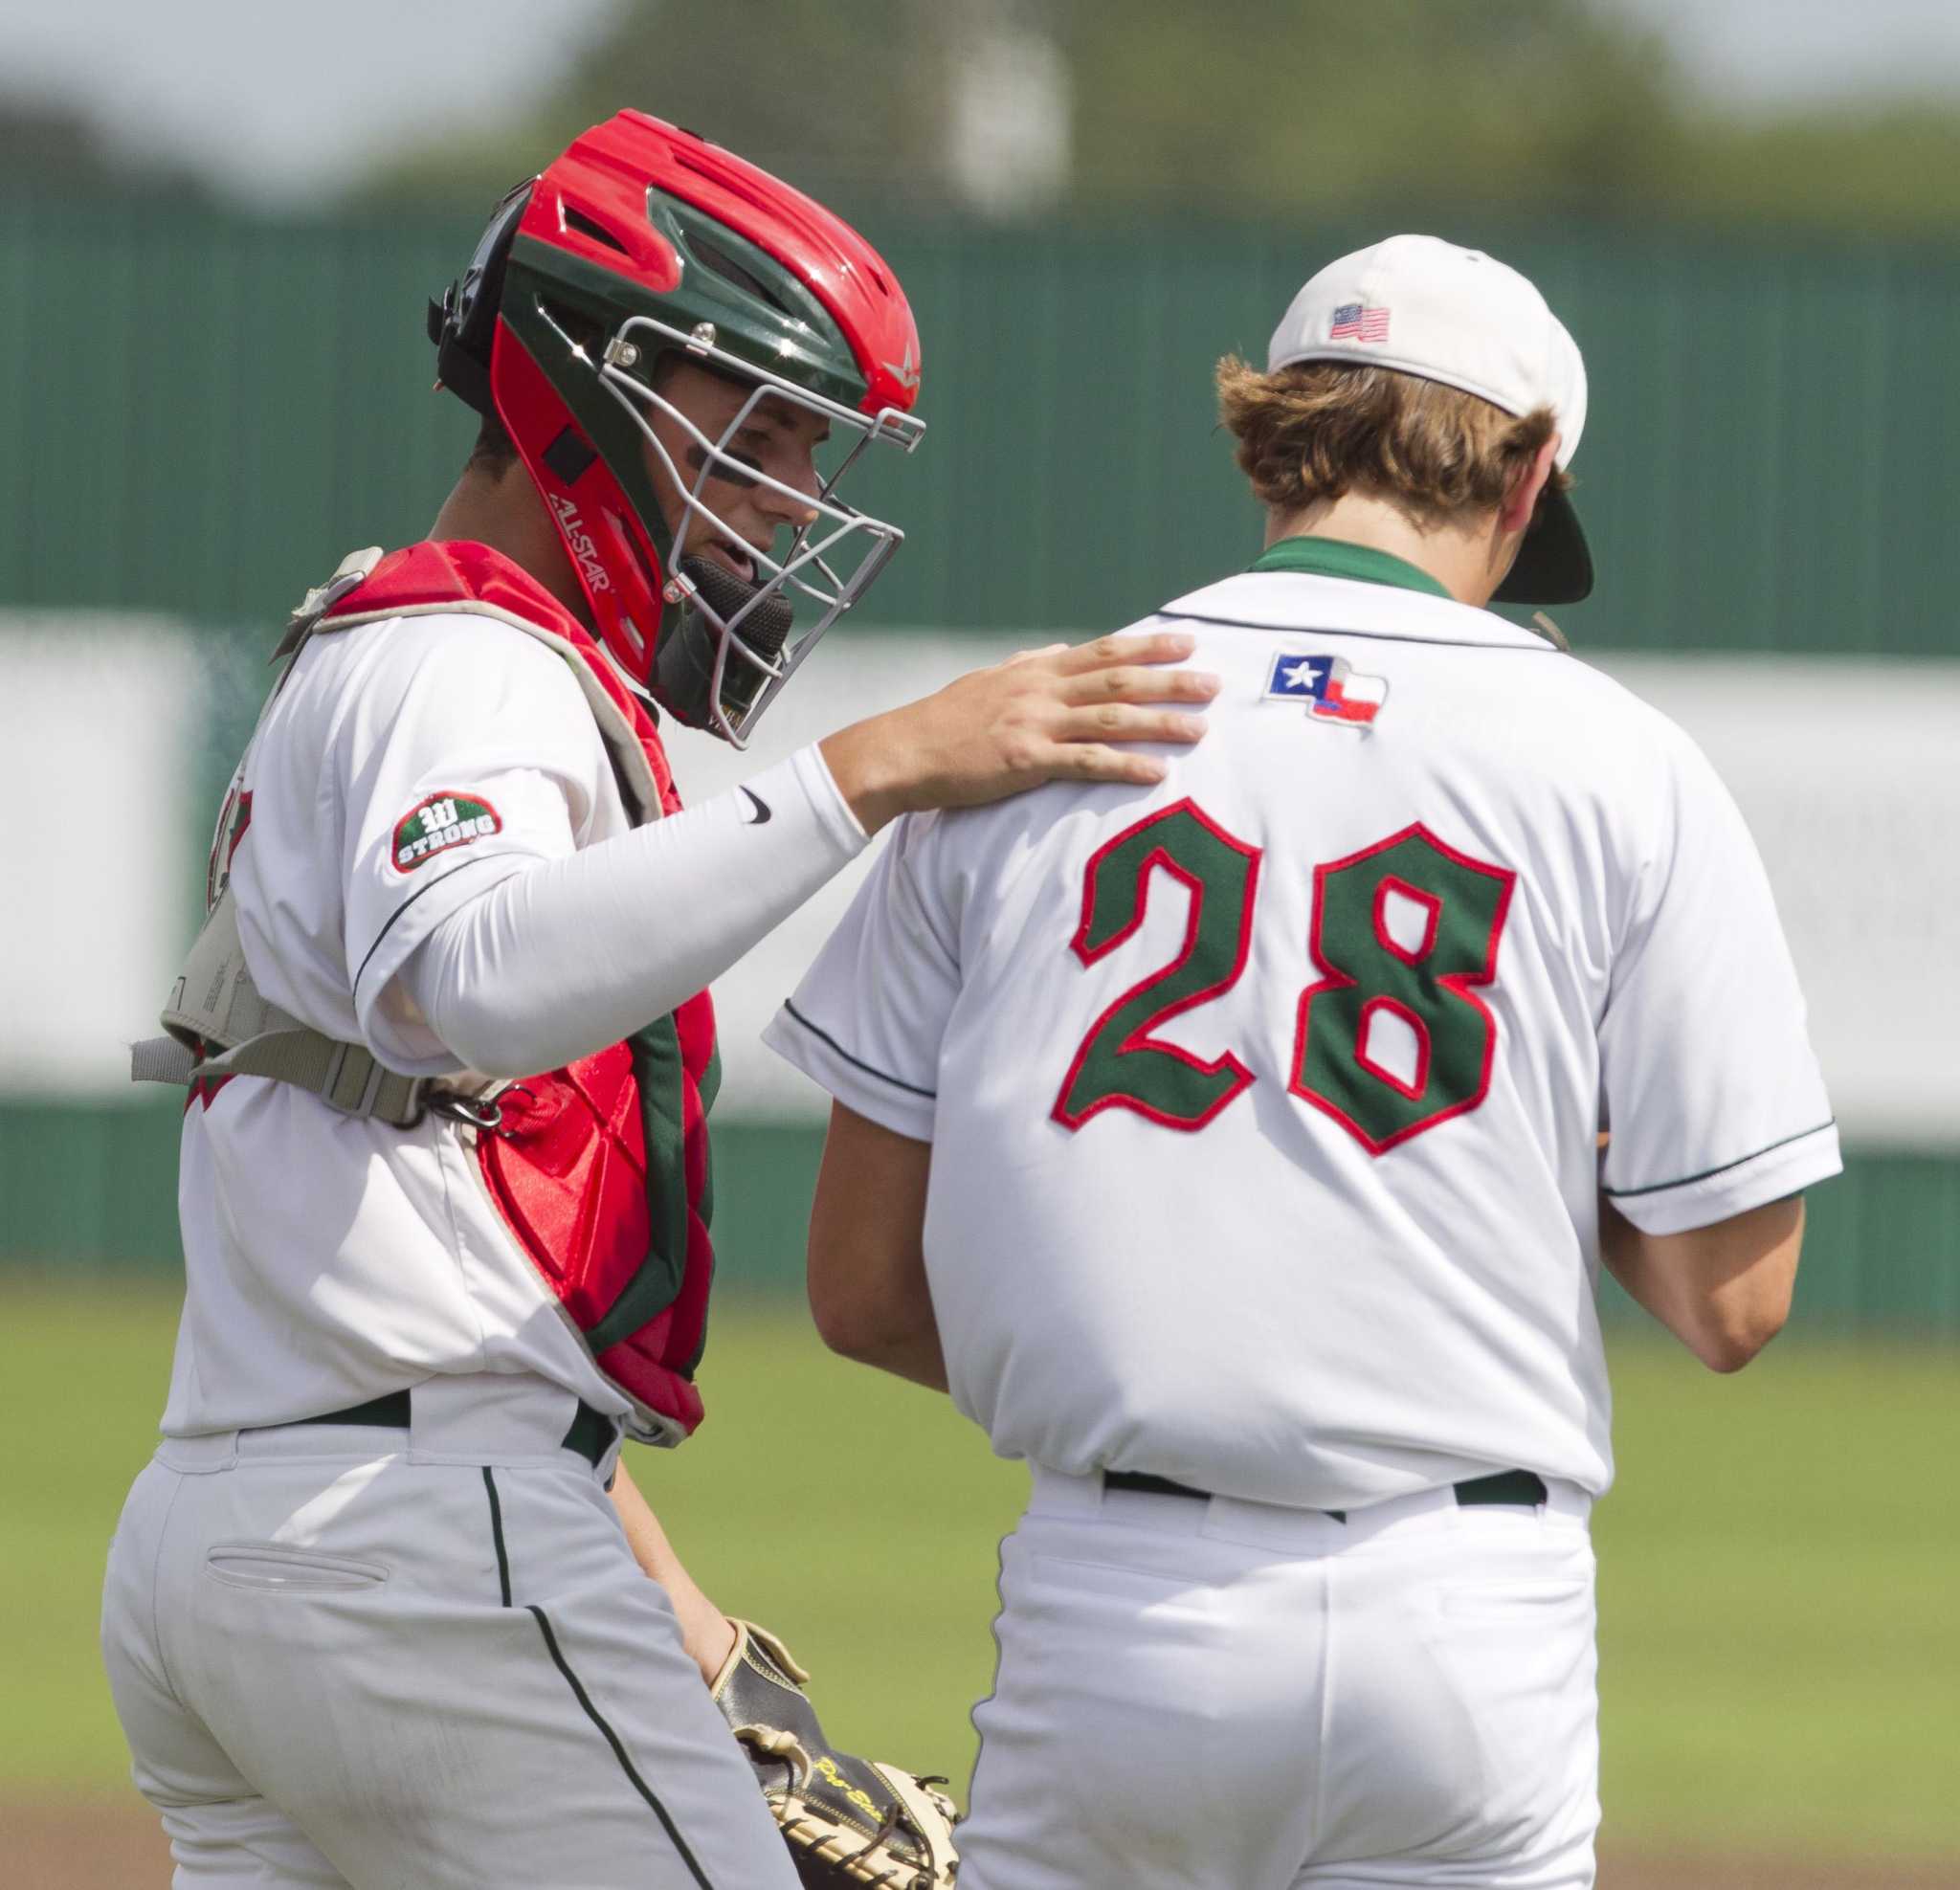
(642, 241)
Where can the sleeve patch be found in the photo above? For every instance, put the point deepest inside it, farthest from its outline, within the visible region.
(438, 823)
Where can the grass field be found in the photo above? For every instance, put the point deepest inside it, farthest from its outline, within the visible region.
(1781, 1634)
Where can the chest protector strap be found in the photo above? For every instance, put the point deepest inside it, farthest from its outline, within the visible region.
(220, 1026)
(226, 1029)
(218, 1023)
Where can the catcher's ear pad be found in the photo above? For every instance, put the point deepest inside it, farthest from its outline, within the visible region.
(463, 324)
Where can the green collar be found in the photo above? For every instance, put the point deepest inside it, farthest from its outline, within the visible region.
(1334, 557)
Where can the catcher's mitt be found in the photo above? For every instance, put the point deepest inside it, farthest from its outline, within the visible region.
(845, 1820)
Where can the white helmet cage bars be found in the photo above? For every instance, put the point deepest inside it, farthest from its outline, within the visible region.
(811, 561)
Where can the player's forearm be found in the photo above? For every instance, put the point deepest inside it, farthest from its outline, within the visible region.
(573, 954)
(919, 1359)
(705, 1631)
(1724, 1291)
(908, 1351)
(869, 1292)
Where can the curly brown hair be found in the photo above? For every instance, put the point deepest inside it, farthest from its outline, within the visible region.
(1311, 432)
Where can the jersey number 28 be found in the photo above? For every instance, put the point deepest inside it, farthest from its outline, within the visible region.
(1426, 978)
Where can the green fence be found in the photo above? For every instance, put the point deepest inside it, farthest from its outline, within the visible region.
(89, 1192)
(203, 411)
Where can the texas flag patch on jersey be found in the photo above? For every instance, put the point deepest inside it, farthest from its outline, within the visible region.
(438, 823)
(1331, 687)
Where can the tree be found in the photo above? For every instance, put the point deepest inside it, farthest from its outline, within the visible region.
(834, 94)
(49, 147)
(1268, 108)
(1320, 106)
(1263, 110)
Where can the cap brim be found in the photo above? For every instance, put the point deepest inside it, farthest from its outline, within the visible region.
(1554, 563)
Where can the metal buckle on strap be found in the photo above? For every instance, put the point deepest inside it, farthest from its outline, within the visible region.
(484, 1115)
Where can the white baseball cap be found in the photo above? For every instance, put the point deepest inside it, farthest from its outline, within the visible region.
(1422, 306)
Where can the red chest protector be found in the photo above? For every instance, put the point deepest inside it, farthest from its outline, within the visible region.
(600, 1170)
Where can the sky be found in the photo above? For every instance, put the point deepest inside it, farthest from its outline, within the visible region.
(1773, 52)
(281, 102)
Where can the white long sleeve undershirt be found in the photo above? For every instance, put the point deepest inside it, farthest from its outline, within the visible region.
(563, 957)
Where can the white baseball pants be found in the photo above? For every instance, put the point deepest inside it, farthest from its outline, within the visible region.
(418, 1659)
(1229, 1695)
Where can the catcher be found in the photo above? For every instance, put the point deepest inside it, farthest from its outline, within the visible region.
(379, 1612)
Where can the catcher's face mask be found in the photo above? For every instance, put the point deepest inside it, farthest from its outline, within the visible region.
(641, 245)
(747, 467)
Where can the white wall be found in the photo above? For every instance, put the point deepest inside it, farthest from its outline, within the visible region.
(100, 874)
(1849, 775)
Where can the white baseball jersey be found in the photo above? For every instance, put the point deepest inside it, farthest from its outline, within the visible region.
(402, 769)
(1264, 1103)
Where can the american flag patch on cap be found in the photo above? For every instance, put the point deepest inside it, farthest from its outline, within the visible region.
(1355, 323)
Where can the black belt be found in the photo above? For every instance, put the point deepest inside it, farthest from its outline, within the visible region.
(1524, 1488)
(591, 1435)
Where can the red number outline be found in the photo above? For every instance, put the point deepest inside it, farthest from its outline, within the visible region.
(1458, 982)
(1380, 1070)
(1139, 1037)
(1431, 917)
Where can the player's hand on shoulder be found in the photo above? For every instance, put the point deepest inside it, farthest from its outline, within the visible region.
(846, 1821)
(1057, 714)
